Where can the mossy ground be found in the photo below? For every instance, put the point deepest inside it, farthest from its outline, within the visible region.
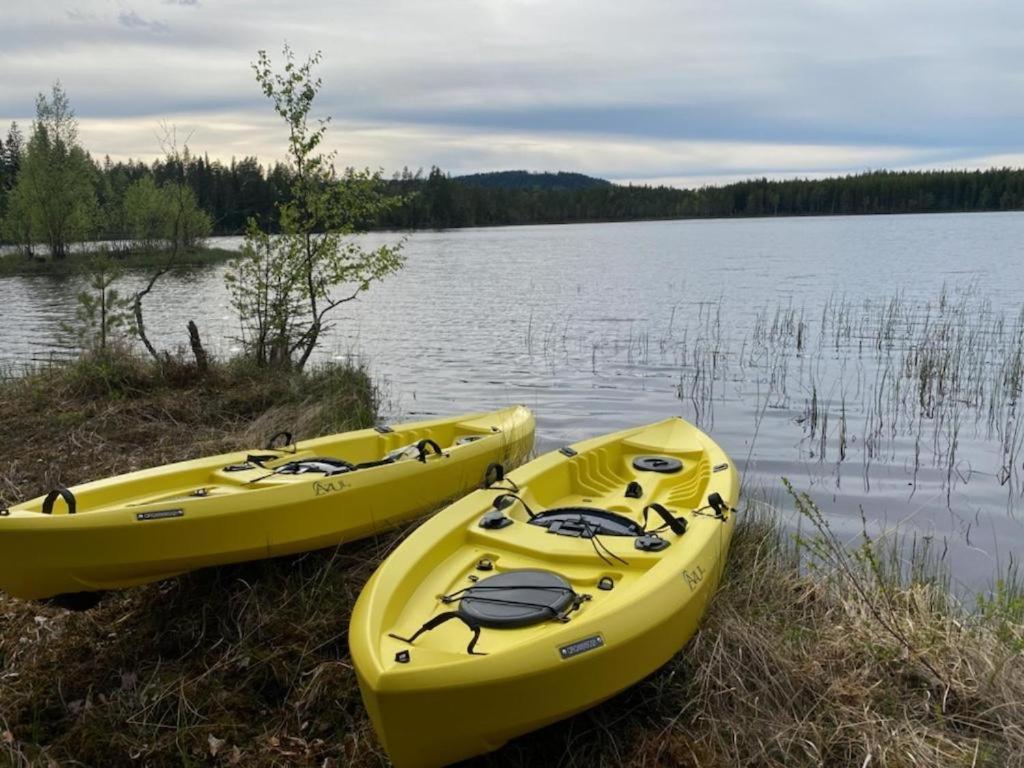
(248, 665)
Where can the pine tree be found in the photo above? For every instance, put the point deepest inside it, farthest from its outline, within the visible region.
(11, 150)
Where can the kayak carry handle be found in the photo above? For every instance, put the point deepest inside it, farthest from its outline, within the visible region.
(494, 474)
(717, 503)
(273, 439)
(59, 492)
(676, 525)
(494, 470)
(422, 446)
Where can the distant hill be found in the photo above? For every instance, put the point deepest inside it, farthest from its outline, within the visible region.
(529, 180)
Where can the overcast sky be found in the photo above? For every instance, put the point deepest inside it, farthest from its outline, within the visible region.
(677, 91)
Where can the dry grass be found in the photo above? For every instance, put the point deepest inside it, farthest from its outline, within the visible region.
(810, 655)
(65, 424)
(799, 666)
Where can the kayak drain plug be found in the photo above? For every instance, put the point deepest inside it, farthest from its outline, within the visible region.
(485, 565)
(606, 584)
(402, 657)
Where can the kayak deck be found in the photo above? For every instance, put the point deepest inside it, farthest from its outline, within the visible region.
(159, 522)
(586, 596)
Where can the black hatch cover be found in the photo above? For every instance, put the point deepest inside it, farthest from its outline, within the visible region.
(517, 599)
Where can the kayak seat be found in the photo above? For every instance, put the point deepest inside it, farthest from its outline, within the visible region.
(377, 463)
(586, 522)
(316, 465)
(329, 466)
(590, 523)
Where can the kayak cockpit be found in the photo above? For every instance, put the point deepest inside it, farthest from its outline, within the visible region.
(524, 568)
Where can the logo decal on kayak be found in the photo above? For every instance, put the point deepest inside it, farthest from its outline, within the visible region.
(581, 646)
(162, 514)
(694, 577)
(322, 488)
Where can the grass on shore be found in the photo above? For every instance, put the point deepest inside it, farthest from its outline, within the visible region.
(16, 264)
(113, 413)
(810, 654)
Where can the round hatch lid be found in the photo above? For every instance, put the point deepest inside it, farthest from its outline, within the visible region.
(665, 464)
(516, 599)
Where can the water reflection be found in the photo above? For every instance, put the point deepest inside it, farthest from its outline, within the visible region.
(817, 349)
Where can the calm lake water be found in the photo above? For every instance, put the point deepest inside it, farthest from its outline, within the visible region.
(868, 359)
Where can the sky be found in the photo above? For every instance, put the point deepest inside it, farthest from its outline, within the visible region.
(680, 92)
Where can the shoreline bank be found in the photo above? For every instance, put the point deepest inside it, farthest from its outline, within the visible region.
(14, 264)
(810, 653)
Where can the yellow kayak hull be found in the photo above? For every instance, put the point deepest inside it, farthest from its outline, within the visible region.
(433, 703)
(149, 525)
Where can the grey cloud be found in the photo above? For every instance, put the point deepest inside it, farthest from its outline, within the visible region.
(132, 20)
(77, 14)
(939, 76)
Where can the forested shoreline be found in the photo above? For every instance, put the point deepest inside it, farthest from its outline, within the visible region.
(107, 200)
(443, 201)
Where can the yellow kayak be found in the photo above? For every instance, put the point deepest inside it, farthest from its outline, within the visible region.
(567, 581)
(156, 523)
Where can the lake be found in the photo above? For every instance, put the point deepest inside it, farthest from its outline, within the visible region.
(874, 361)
